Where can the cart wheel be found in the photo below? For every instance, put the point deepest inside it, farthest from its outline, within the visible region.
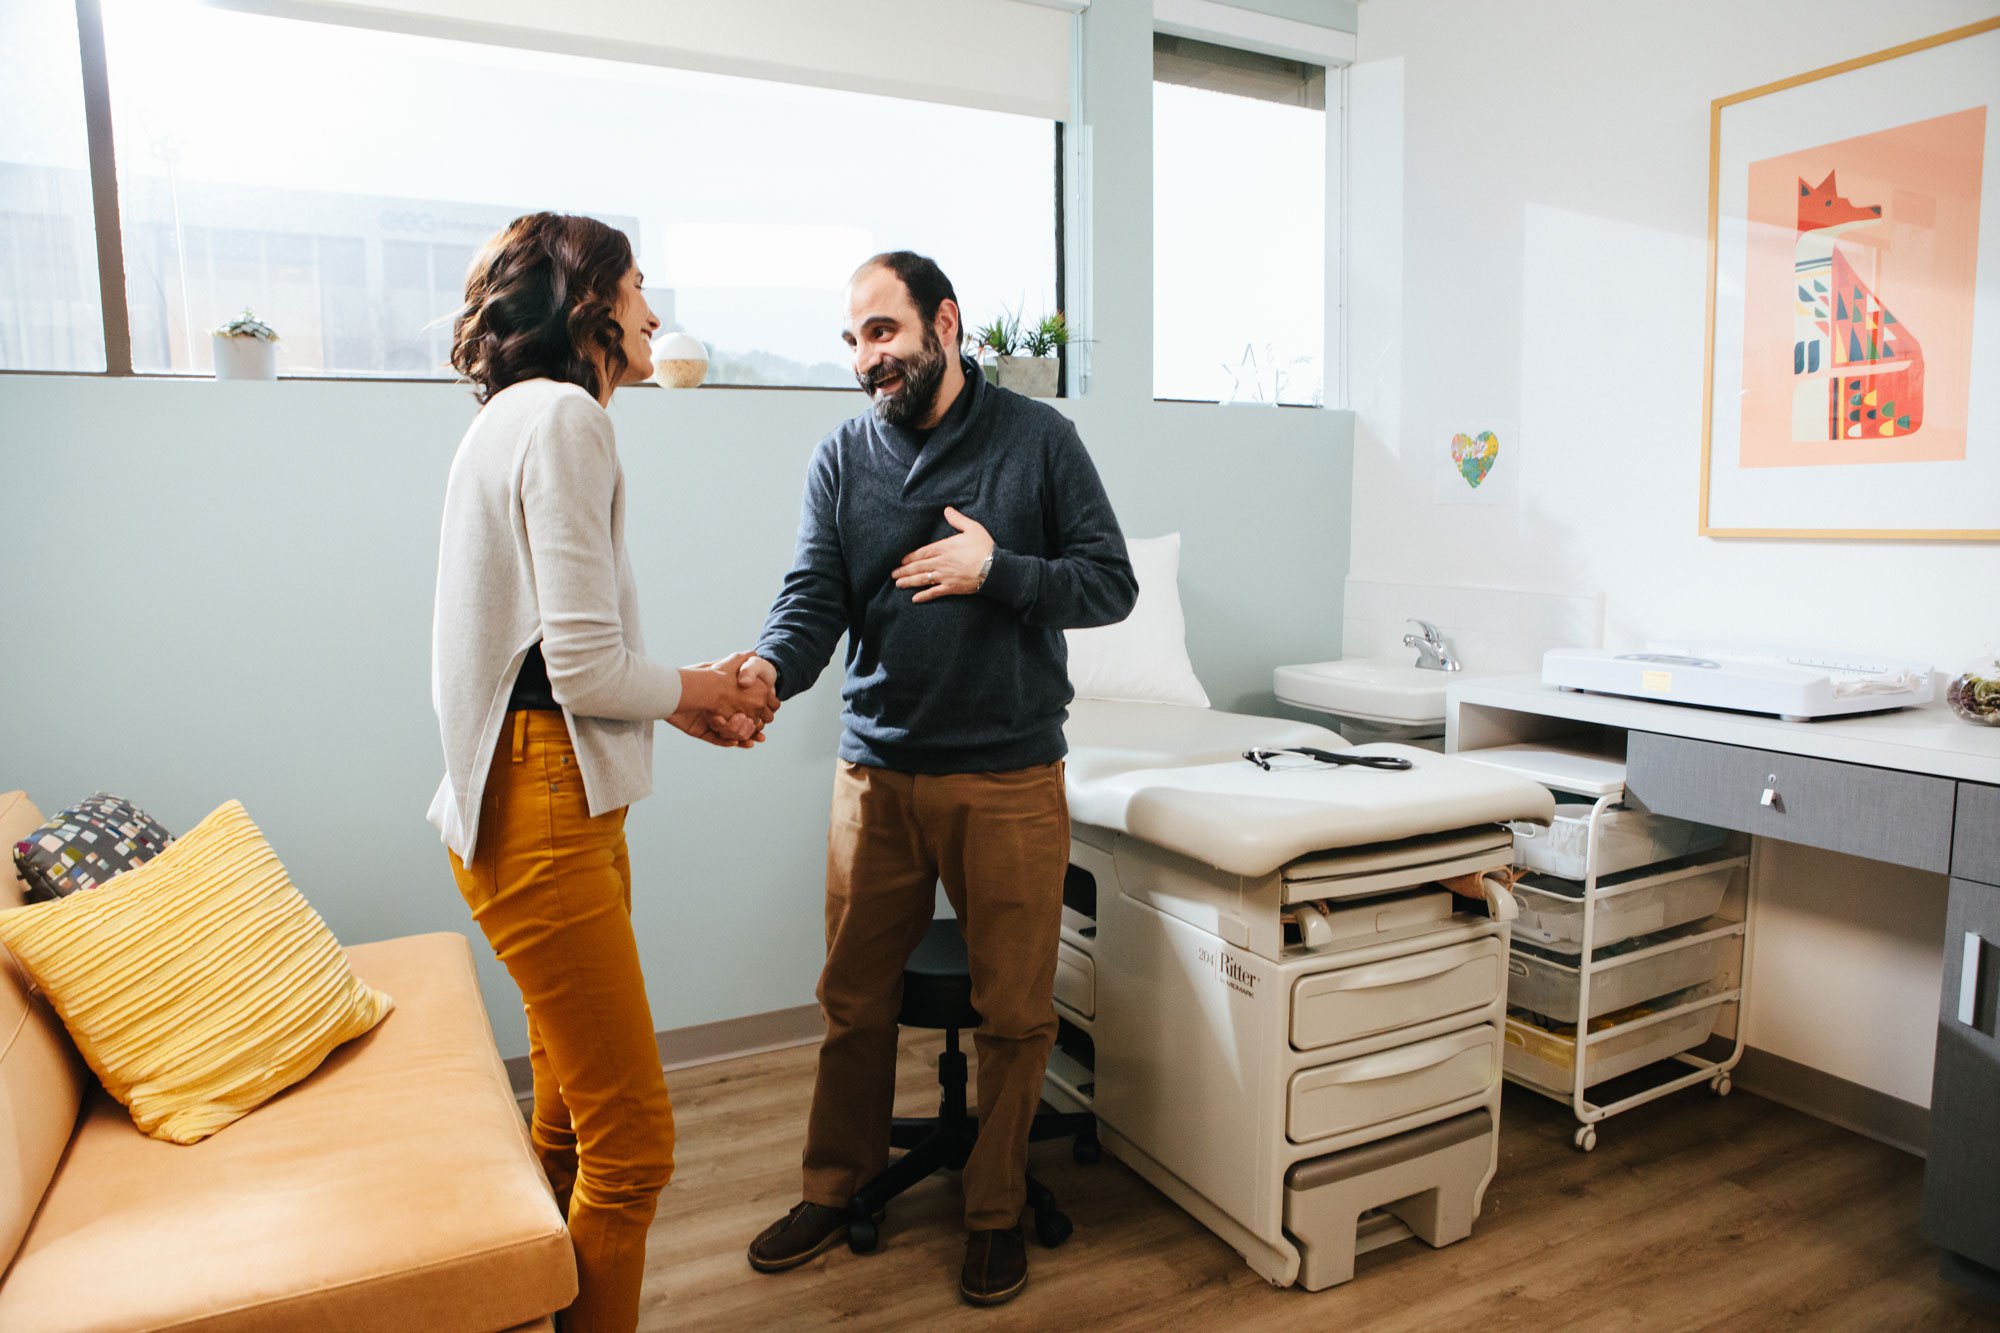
(1585, 1137)
(1052, 1228)
(863, 1236)
(1721, 1085)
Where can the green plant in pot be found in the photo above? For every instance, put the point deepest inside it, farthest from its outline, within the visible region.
(1023, 358)
(246, 348)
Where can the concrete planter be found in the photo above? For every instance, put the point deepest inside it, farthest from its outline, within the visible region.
(1034, 376)
(244, 358)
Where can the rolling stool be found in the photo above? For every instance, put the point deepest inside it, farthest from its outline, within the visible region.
(937, 993)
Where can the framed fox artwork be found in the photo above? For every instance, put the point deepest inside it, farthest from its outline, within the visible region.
(1853, 367)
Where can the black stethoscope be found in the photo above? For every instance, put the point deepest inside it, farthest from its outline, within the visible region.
(1263, 757)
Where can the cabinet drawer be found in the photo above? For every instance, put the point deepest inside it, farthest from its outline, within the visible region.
(1975, 842)
(1076, 980)
(1403, 1080)
(1354, 1002)
(1881, 813)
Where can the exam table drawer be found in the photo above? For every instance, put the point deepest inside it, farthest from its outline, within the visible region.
(1403, 1080)
(1881, 813)
(1076, 980)
(1354, 1002)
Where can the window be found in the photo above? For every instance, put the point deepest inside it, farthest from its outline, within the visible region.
(50, 313)
(1239, 225)
(342, 201)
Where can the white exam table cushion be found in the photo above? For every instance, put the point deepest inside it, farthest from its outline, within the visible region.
(1175, 776)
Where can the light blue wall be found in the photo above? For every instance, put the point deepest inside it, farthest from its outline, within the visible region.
(224, 590)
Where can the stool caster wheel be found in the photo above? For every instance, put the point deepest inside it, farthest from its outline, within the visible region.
(863, 1236)
(1721, 1085)
(1052, 1228)
(1585, 1137)
(1087, 1151)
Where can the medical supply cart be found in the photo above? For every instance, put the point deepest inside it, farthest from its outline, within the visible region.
(1633, 942)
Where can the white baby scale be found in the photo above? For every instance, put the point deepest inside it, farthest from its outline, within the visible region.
(1796, 686)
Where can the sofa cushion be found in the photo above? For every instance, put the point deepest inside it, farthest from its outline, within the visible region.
(395, 1189)
(18, 818)
(41, 1078)
(198, 985)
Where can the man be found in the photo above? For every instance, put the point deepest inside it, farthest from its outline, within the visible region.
(952, 533)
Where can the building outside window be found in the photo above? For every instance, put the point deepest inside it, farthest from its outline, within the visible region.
(342, 199)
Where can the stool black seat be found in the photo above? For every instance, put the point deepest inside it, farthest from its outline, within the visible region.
(937, 994)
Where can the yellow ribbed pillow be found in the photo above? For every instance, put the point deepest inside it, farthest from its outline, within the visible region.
(198, 985)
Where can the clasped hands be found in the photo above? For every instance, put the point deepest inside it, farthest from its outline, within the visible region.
(728, 702)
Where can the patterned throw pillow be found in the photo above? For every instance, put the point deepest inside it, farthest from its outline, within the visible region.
(201, 986)
(85, 845)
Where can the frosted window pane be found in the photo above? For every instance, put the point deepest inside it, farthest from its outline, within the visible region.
(337, 180)
(51, 317)
(1239, 248)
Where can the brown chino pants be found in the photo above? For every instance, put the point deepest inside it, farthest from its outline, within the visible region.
(1000, 844)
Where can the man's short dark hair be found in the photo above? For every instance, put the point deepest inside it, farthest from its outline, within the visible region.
(926, 283)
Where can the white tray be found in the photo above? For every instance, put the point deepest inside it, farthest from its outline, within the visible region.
(1626, 839)
(1679, 895)
(1532, 1054)
(1664, 962)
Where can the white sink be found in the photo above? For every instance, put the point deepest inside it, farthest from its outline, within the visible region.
(1372, 689)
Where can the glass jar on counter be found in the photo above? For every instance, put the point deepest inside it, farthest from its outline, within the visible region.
(1975, 693)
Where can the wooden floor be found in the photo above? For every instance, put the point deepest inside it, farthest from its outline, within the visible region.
(1693, 1212)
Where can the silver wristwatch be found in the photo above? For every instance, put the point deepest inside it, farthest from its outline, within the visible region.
(985, 569)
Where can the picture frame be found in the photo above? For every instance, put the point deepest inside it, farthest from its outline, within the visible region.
(1851, 375)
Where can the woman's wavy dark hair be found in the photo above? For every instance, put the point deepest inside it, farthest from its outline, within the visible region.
(538, 304)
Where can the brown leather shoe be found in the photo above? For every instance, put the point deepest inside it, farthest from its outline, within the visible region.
(996, 1267)
(809, 1229)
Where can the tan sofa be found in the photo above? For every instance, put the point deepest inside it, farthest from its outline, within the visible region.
(393, 1189)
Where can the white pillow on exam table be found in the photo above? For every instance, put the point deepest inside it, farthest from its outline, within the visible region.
(1143, 658)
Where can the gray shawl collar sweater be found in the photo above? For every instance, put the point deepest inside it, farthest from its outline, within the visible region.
(975, 683)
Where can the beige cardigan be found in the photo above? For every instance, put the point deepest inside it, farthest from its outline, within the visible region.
(533, 548)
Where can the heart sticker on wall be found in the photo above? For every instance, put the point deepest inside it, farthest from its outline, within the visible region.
(1474, 455)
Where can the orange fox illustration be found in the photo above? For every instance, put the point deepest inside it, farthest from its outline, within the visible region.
(1858, 372)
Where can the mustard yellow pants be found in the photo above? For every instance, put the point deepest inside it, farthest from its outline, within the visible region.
(551, 887)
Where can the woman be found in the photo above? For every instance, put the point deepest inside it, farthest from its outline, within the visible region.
(546, 702)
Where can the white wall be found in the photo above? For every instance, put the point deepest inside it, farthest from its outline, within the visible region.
(1529, 196)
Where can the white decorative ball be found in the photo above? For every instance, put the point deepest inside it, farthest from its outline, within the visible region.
(679, 361)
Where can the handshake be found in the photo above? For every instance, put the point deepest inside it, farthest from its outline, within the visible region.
(727, 703)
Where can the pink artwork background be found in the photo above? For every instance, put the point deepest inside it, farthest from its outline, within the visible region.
(1920, 262)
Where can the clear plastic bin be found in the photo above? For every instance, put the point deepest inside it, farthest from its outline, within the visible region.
(1534, 1054)
(1626, 839)
(1552, 908)
(1544, 977)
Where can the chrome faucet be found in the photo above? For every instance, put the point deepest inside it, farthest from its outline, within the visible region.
(1431, 651)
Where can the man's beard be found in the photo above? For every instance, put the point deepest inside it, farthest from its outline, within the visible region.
(909, 405)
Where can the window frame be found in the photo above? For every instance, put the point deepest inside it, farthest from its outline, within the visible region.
(114, 310)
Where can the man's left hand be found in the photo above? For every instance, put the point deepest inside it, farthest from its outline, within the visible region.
(949, 568)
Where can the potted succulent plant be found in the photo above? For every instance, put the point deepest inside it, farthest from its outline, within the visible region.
(246, 348)
(1024, 359)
